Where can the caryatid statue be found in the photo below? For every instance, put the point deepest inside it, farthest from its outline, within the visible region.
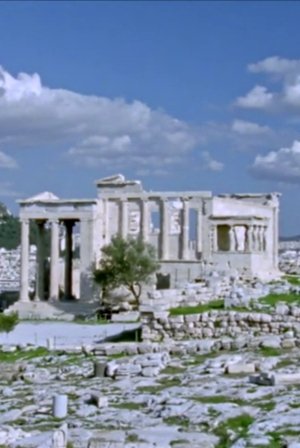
(232, 239)
(240, 233)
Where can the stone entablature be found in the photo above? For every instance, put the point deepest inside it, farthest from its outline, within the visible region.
(189, 229)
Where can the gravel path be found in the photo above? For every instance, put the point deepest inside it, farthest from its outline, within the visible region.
(63, 333)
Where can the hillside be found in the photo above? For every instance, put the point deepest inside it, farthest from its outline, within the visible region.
(10, 232)
(289, 238)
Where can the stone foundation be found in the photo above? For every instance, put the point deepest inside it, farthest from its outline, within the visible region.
(160, 326)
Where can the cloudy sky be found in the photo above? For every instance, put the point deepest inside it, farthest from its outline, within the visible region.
(182, 95)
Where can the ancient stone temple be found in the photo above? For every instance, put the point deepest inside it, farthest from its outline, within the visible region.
(192, 231)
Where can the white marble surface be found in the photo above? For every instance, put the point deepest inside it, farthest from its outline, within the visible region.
(63, 333)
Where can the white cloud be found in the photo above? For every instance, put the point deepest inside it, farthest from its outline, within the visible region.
(282, 165)
(94, 129)
(257, 98)
(287, 72)
(275, 65)
(6, 161)
(248, 128)
(291, 92)
(208, 163)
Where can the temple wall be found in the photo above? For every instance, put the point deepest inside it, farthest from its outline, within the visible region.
(191, 231)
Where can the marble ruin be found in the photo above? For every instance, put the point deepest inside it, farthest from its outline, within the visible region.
(192, 231)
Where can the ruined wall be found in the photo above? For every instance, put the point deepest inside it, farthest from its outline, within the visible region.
(216, 324)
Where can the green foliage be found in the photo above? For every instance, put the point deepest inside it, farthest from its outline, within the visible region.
(169, 370)
(239, 425)
(10, 232)
(273, 299)
(217, 399)
(126, 263)
(292, 279)
(8, 322)
(179, 420)
(18, 355)
(270, 351)
(183, 310)
(131, 406)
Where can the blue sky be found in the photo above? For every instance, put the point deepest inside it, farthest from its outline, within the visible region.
(181, 95)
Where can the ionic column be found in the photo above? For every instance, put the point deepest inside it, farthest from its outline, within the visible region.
(145, 220)
(185, 229)
(106, 216)
(164, 230)
(275, 235)
(68, 259)
(199, 230)
(40, 263)
(87, 257)
(24, 280)
(260, 238)
(247, 239)
(255, 246)
(124, 218)
(214, 238)
(251, 242)
(54, 261)
(264, 238)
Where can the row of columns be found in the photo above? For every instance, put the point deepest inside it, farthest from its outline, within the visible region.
(164, 226)
(145, 219)
(54, 260)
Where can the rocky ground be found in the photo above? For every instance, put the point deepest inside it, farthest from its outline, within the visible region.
(195, 393)
(235, 390)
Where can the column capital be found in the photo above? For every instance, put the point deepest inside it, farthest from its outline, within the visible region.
(185, 199)
(24, 220)
(54, 221)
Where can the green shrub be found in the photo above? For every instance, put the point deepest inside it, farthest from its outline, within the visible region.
(8, 322)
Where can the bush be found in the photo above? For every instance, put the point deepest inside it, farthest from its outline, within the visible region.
(8, 322)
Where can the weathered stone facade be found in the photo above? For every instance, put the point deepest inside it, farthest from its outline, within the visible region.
(193, 232)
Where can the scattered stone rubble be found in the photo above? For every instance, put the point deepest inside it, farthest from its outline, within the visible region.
(235, 290)
(208, 380)
(289, 261)
(198, 393)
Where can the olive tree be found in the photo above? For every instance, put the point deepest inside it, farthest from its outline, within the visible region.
(126, 262)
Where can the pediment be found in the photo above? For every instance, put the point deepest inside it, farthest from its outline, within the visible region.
(44, 196)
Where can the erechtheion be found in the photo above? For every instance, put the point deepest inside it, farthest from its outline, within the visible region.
(191, 231)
